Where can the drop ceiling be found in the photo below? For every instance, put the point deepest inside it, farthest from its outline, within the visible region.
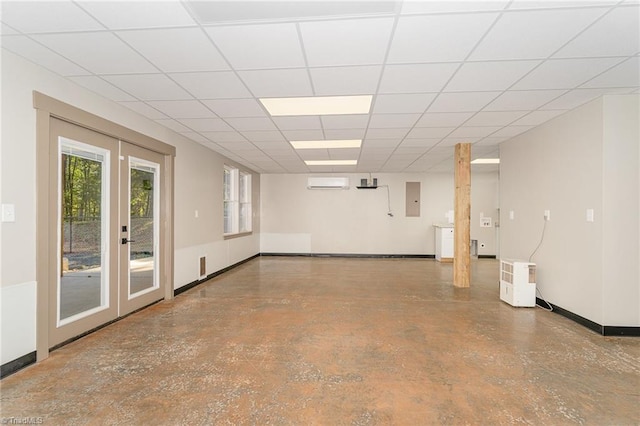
(440, 72)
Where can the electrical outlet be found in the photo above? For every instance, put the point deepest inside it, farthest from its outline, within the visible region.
(547, 215)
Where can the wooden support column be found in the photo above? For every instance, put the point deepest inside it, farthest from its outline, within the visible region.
(462, 223)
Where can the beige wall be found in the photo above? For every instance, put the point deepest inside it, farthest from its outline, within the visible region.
(355, 221)
(198, 180)
(568, 165)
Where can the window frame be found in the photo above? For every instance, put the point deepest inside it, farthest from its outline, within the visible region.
(233, 200)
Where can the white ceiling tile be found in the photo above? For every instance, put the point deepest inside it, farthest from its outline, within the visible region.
(577, 97)
(314, 154)
(264, 136)
(205, 124)
(237, 146)
(407, 103)
(490, 141)
(303, 135)
(416, 78)
(235, 107)
(224, 136)
(251, 123)
(242, 11)
(173, 125)
(212, 85)
(533, 34)
(487, 76)
(443, 119)
(414, 37)
(308, 122)
(520, 100)
(537, 117)
(341, 134)
(144, 109)
(462, 102)
(182, 109)
(423, 142)
(429, 132)
(381, 121)
(386, 133)
(616, 34)
(259, 46)
(380, 143)
(553, 4)
(165, 48)
(29, 49)
(564, 73)
(354, 121)
(511, 131)
(81, 48)
(417, 6)
(346, 42)
(101, 87)
(36, 17)
(492, 118)
(132, 14)
(7, 30)
(196, 137)
(359, 80)
(148, 86)
(627, 74)
(374, 153)
(344, 153)
(473, 132)
(277, 83)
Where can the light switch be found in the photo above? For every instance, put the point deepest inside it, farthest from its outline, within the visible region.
(8, 213)
(512, 214)
(196, 214)
(590, 215)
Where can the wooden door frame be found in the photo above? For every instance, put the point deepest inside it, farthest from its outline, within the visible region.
(46, 108)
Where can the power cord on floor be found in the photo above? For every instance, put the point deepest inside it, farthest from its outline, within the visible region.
(550, 307)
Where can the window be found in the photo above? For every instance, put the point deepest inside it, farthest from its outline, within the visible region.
(237, 201)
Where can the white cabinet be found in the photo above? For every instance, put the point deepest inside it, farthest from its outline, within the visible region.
(518, 282)
(444, 243)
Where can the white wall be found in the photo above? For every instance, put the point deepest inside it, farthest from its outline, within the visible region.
(621, 216)
(355, 221)
(198, 180)
(583, 159)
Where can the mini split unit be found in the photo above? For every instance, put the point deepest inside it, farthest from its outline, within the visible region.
(328, 183)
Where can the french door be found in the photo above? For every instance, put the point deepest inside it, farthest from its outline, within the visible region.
(106, 257)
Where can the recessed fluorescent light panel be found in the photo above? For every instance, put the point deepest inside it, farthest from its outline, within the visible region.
(331, 162)
(328, 144)
(486, 161)
(319, 105)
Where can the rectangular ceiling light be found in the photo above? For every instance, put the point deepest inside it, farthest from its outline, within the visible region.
(486, 161)
(318, 105)
(328, 144)
(331, 162)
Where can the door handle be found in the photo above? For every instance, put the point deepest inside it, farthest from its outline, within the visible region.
(125, 241)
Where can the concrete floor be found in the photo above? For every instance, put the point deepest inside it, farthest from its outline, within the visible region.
(336, 341)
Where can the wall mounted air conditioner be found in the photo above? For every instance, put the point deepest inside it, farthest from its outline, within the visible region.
(328, 183)
(518, 282)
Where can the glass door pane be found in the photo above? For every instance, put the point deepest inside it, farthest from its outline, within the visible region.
(143, 225)
(84, 210)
